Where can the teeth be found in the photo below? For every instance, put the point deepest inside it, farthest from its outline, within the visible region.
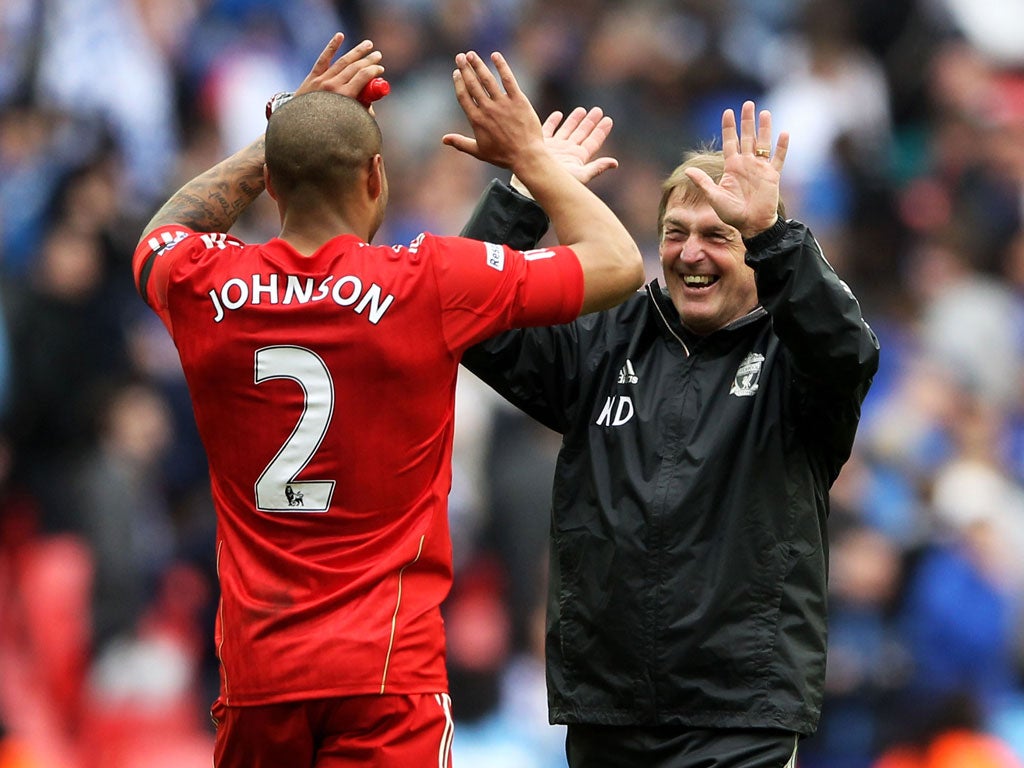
(699, 280)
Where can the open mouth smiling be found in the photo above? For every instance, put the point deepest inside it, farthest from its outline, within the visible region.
(699, 281)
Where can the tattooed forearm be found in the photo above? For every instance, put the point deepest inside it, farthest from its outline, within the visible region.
(214, 200)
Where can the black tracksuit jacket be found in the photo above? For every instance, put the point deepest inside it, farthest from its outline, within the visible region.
(689, 542)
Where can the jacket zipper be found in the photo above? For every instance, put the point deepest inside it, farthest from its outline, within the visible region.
(664, 319)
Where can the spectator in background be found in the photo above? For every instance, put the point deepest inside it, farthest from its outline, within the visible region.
(241, 50)
(500, 719)
(99, 61)
(36, 151)
(866, 661)
(953, 737)
(826, 65)
(959, 619)
(828, 84)
(62, 329)
(119, 507)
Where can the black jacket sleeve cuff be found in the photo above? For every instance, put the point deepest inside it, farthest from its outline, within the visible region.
(769, 237)
(504, 216)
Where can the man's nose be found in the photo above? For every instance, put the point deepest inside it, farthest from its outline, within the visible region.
(692, 250)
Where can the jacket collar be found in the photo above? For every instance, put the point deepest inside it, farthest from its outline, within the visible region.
(667, 318)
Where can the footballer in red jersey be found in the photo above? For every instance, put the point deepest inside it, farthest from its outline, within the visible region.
(323, 389)
(322, 374)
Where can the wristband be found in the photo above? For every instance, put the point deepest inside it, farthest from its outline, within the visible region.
(277, 100)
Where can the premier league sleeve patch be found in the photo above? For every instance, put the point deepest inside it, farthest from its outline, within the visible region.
(495, 256)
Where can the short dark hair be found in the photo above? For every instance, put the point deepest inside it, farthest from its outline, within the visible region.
(317, 142)
(707, 159)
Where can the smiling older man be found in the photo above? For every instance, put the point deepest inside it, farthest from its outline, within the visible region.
(703, 425)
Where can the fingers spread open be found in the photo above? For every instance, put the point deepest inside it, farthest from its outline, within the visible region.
(350, 57)
(461, 143)
(572, 121)
(748, 129)
(484, 76)
(702, 180)
(357, 59)
(508, 79)
(730, 139)
(474, 75)
(587, 125)
(462, 93)
(596, 138)
(781, 146)
(551, 124)
(324, 59)
(764, 130)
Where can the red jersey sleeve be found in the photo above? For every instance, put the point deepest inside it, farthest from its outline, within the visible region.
(486, 288)
(158, 253)
(151, 263)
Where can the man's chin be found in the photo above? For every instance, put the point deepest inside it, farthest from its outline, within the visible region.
(698, 323)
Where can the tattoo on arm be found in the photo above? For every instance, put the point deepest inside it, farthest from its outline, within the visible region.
(214, 200)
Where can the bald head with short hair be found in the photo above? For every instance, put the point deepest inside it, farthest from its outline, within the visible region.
(317, 144)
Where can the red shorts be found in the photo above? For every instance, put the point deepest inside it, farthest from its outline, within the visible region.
(389, 731)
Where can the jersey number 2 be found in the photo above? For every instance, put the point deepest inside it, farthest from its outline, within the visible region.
(277, 490)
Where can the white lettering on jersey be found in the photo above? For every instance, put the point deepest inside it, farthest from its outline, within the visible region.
(270, 289)
(166, 241)
(218, 240)
(538, 253)
(495, 256)
(295, 291)
(346, 291)
(617, 411)
(242, 293)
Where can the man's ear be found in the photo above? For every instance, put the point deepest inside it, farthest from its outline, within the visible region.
(375, 178)
(267, 184)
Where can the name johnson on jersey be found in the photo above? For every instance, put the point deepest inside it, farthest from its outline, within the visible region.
(345, 291)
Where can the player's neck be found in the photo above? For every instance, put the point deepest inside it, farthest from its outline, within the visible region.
(307, 232)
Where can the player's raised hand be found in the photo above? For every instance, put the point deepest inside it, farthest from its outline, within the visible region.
(505, 126)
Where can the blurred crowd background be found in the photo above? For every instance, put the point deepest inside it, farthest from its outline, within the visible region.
(907, 161)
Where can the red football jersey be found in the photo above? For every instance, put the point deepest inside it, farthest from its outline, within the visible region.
(323, 388)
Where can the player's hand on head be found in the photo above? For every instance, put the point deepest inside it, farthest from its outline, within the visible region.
(348, 74)
(505, 125)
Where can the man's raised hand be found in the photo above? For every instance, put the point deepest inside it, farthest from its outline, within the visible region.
(574, 142)
(748, 194)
